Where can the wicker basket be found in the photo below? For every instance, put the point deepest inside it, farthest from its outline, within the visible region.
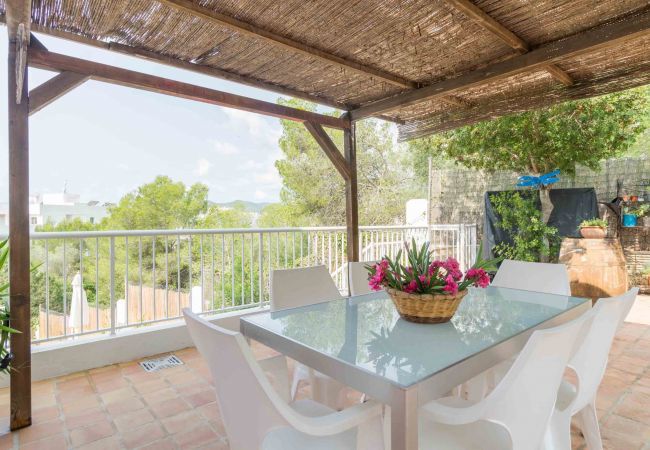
(426, 308)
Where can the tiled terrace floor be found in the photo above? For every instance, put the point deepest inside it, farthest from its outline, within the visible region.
(121, 406)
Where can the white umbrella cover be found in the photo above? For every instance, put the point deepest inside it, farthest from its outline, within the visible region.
(78, 305)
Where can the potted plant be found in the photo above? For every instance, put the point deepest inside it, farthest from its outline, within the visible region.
(5, 330)
(593, 228)
(424, 290)
(646, 274)
(632, 214)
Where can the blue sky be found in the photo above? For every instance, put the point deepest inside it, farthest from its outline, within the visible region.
(106, 140)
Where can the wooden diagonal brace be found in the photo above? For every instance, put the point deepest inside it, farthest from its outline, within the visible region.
(329, 148)
(48, 92)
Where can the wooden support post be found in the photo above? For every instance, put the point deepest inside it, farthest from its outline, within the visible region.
(19, 265)
(54, 88)
(351, 194)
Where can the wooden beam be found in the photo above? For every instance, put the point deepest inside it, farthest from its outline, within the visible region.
(600, 37)
(52, 89)
(18, 20)
(479, 16)
(351, 195)
(329, 148)
(147, 55)
(192, 8)
(115, 75)
(508, 37)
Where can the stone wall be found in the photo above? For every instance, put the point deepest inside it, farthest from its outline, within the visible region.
(457, 194)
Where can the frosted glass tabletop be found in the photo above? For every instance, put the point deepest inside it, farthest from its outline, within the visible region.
(367, 332)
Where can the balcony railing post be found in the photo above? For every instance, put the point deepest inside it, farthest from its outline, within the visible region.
(260, 265)
(112, 282)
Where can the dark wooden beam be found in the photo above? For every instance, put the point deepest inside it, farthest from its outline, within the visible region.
(484, 20)
(194, 9)
(52, 89)
(329, 148)
(20, 387)
(141, 53)
(600, 37)
(351, 195)
(115, 75)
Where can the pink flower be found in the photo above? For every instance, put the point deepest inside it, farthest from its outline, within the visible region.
(453, 268)
(450, 285)
(424, 280)
(411, 287)
(435, 265)
(479, 277)
(375, 281)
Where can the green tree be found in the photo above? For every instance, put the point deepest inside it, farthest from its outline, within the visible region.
(160, 205)
(559, 137)
(313, 192)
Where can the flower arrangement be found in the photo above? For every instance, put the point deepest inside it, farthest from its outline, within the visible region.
(423, 275)
(425, 290)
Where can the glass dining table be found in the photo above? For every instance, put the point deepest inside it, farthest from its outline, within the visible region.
(362, 342)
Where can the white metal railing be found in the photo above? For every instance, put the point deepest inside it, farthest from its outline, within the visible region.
(134, 278)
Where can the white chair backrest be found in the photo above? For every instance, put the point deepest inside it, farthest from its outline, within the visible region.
(524, 399)
(590, 360)
(531, 276)
(248, 402)
(358, 277)
(291, 288)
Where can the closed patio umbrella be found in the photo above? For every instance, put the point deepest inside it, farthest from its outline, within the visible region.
(79, 312)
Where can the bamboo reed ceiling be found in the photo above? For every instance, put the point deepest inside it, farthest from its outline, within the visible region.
(353, 53)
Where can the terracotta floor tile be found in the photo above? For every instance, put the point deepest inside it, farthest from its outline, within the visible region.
(91, 401)
(144, 435)
(635, 407)
(72, 384)
(132, 420)
(111, 385)
(91, 433)
(196, 437)
(45, 414)
(40, 431)
(150, 386)
(120, 408)
(164, 444)
(183, 421)
(109, 443)
(74, 395)
(160, 395)
(119, 395)
(86, 417)
(201, 398)
(6, 440)
(170, 407)
(56, 442)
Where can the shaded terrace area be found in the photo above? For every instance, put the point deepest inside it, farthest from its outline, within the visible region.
(123, 407)
(427, 66)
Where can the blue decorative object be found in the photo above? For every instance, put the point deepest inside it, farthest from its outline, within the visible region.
(540, 181)
(629, 220)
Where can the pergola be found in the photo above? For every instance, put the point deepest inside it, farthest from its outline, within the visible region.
(428, 66)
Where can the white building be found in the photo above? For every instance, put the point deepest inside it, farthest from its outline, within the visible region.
(54, 208)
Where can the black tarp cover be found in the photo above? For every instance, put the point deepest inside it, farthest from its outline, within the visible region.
(570, 207)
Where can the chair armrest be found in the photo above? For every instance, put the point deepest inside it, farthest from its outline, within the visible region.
(276, 366)
(336, 422)
(453, 415)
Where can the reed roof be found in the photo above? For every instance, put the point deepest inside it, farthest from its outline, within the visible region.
(353, 53)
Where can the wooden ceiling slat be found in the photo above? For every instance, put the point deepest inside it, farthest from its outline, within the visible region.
(597, 38)
(189, 7)
(508, 37)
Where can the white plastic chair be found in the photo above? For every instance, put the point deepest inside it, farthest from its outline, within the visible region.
(527, 276)
(255, 416)
(292, 288)
(532, 276)
(358, 277)
(588, 364)
(516, 413)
